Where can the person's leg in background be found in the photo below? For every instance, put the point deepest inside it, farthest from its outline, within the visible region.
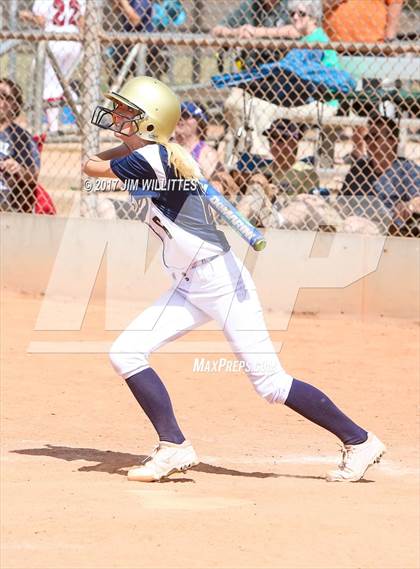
(66, 55)
(242, 110)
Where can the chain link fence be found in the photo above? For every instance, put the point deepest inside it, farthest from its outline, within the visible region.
(305, 113)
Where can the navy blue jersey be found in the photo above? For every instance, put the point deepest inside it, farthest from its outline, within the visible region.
(175, 209)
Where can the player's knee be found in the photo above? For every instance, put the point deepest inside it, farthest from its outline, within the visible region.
(273, 388)
(116, 360)
(126, 362)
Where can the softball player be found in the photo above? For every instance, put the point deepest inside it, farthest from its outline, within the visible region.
(209, 282)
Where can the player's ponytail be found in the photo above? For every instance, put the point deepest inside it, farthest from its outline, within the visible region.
(182, 161)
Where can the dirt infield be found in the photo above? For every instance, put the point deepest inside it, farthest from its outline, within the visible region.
(258, 498)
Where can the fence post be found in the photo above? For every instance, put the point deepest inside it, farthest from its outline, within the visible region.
(197, 19)
(37, 93)
(13, 26)
(141, 59)
(91, 76)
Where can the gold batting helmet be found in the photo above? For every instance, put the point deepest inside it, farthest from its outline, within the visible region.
(157, 105)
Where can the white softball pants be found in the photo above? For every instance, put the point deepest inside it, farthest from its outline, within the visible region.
(221, 290)
(67, 54)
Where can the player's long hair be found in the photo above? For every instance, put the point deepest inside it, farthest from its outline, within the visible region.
(182, 161)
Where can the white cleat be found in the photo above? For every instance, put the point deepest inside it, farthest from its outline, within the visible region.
(165, 459)
(357, 459)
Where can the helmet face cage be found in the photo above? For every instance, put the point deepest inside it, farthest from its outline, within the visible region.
(104, 118)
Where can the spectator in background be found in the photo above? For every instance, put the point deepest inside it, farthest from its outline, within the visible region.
(190, 133)
(290, 175)
(19, 157)
(364, 21)
(305, 24)
(285, 172)
(144, 16)
(65, 16)
(306, 17)
(133, 16)
(268, 197)
(381, 186)
(267, 13)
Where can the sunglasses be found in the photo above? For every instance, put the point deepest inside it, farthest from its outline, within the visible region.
(299, 13)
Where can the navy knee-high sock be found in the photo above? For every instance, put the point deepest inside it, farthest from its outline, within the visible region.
(152, 396)
(314, 405)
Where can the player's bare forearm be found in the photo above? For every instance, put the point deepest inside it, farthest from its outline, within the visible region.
(98, 168)
(28, 16)
(131, 14)
(19, 172)
(225, 31)
(288, 31)
(29, 175)
(119, 151)
(99, 165)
